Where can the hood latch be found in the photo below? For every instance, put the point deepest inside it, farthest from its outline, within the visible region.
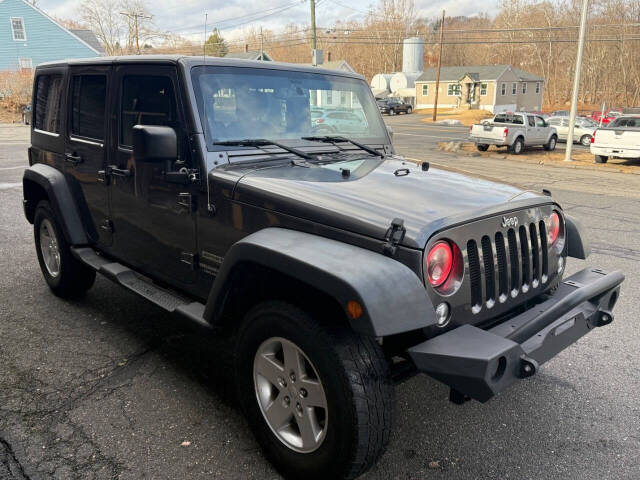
(393, 237)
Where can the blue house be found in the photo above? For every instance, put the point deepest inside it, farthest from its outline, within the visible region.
(28, 36)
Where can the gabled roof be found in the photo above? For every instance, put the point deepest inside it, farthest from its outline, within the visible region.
(251, 55)
(88, 37)
(477, 72)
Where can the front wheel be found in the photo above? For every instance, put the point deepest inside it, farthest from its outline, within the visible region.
(585, 140)
(65, 275)
(551, 144)
(318, 398)
(408, 110)
(392, 112)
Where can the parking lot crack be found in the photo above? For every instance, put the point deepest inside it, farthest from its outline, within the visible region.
(9, 459)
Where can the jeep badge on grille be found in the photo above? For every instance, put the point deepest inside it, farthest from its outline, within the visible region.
(509, 222)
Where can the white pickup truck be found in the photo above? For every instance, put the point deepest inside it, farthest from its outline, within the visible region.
(621, 138)
(514, 131)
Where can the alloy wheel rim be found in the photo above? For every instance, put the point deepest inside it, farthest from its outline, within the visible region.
(290, 395)
(49, 248)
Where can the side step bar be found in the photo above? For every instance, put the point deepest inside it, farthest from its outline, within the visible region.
(165, 299)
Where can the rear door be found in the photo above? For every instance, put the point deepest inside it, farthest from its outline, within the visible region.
(85, 153)
(153, 219)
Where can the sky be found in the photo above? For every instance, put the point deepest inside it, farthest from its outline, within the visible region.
(186, 17)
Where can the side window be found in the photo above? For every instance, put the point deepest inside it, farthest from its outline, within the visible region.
(48, 103)
(540, 122)
(146, 100)
(554, 121)
(88, 97)
(425, 89)
(532, 121)
(503, 89)
(483, 89)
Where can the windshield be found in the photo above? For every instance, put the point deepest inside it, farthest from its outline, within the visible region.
(254, 103)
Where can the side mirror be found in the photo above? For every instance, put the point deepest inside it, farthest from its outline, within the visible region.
(390, 132)
(154, 144)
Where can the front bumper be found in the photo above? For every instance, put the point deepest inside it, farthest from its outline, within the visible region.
(480, 363)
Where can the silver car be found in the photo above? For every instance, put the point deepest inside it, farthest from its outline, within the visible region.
(582, 131)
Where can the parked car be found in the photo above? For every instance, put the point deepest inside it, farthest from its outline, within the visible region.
(514, 131)
(606, 117)
(582, 130)
(621, 138)
(392, 106)
(26, 115)
(332, 121)
(561, 113)
(330, 265)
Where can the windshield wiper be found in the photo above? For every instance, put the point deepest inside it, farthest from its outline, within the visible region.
(261, 142)
(333, 139)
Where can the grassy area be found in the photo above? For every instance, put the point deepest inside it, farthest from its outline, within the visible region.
(466, 117)
(542, 157)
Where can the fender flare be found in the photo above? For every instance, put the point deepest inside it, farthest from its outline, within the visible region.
(393, 298)
(577, 245)
(57, 190)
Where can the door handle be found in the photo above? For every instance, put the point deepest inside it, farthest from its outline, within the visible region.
(118, 172)
(72, 158)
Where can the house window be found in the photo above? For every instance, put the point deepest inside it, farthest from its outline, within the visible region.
(25, 64)
(343, 98)
(537, 87)
(88, 97)
(329, 97)
(503, 89)
(454, 89)
(17, 29)
(514, 88)
(483, 89)
(524, 88)
(425, 89)
(47, 103)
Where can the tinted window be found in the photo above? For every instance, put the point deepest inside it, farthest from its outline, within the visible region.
(88, 93)
(532, 121)
(508, 118)
(48, 103)
(149, 100)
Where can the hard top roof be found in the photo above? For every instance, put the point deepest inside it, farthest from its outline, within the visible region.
(196, 61)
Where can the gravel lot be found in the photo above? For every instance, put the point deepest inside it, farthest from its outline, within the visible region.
(111, 387)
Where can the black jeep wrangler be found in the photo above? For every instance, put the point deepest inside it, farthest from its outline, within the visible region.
(334, 266)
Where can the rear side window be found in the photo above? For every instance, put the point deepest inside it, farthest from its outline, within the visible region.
(508, 118)
(532, 121)
(146, 100)
(88, 97)
(48, 103)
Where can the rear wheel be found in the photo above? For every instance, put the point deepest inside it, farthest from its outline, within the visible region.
(517, 147)
(601, 159)
(318, 398)
(551, 144)
(65, 275)
(585, 140)
(482, 147)
(392, 112)
(408, 110)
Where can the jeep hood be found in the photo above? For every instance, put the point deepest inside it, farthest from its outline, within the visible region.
(372, 194)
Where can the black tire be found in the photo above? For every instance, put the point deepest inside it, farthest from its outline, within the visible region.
(551, 144)
(517, 147)
(73, 278)
(392, 111)
(482, 147)
(409, 110)
(585, 140)
(601, 159)
(356, 379)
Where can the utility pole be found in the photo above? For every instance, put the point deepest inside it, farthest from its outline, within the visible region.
(314, 55)
(435, 103)
(576, 80)
(135, 17)
(261, 44)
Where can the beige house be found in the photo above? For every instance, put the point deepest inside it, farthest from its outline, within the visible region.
(497, 88)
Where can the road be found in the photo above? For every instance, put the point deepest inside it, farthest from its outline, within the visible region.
(111, 387)
(411, 130)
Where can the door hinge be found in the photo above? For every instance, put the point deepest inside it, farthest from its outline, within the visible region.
(190, 259)
(393, 237)
(186, 201)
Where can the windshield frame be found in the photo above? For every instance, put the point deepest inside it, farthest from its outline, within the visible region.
(199, 118)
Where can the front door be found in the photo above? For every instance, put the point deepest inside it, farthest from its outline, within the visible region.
(153, 219)
(85, 147)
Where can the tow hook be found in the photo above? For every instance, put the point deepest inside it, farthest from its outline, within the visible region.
(528, 367)
(604, 318)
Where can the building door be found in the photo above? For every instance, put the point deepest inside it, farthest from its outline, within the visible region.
(153, 219)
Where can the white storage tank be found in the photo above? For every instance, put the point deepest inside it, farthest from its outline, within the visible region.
(413, 55)
(381, 81)
(402, 80)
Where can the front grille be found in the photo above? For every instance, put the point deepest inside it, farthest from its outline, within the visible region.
(503, 266)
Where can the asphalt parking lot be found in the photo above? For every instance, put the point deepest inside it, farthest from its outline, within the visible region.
(111, 387)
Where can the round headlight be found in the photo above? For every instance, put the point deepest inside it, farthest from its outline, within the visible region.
(439, 263)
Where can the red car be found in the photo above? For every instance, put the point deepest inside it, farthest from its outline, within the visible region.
(608, 116)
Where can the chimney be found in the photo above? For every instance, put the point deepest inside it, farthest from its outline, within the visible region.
(328, 56)
(246, 48)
